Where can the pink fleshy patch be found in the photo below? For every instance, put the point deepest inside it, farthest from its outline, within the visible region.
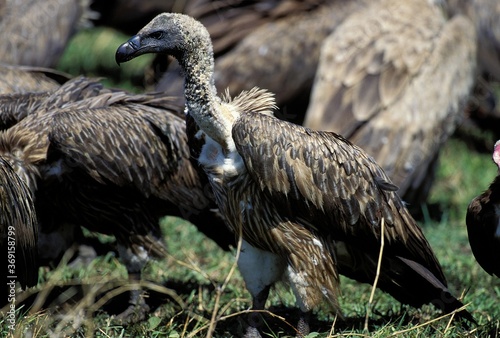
(496, 153)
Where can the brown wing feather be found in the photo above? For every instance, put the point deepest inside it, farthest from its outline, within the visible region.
(23, 79)
(331, 184)
(392, 79)
(15, 107)
(372, 49)
(230, 21)
(125, 145)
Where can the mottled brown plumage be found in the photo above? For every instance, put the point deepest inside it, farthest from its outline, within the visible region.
(483, 223)
(27, 79)
(35, 33)
(15, 107)
(111, 162)
(290, 191)
(18, 233)
(393, 78)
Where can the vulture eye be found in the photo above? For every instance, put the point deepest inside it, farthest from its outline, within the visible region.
(156, 35)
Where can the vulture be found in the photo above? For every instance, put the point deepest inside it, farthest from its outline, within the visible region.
(295, 195)
(483, 223)
(35, 33)
(114, 163)
(18, 233)
(394, 78)
(23, 89)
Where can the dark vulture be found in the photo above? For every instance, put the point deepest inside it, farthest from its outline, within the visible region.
(18, 234)
(394, 78)
(483, 223)
(35, 33)
(114, 163)
(293, 193)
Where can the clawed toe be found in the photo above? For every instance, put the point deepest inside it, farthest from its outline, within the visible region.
(136, 311)
(133, 314)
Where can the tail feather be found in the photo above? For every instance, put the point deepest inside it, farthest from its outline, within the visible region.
(407, 281)
(441, 296)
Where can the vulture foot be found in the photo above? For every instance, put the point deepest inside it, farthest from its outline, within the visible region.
(136, 311)
(252, 332)
(303, 325)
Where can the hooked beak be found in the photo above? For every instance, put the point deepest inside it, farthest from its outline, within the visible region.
(128, 50)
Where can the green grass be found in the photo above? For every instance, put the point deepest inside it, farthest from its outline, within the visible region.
(195, 284)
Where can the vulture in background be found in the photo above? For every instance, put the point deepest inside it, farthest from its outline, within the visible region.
(295, 195)
(483, 223)
(114, 163)
(484, 112)
(394, 79)
(35, 33)
(484, 15)
(18, 233)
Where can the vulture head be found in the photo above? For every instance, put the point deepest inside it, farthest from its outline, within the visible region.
(167, 33)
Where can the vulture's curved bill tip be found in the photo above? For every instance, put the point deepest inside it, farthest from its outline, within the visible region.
(127, 51)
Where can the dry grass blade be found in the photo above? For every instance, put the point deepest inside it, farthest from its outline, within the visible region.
(332, 329)
(134, 286)
(379, 264)
(430, 321)
(219, 290)
(53, 281)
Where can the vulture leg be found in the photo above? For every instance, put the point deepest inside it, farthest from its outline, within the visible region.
(134, 263)
(255, 319)
(303, 324)
(260, 270)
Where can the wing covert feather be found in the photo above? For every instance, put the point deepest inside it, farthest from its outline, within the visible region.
(329, 183)
(123, 145)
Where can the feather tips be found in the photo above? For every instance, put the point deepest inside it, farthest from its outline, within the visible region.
(344, 192)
